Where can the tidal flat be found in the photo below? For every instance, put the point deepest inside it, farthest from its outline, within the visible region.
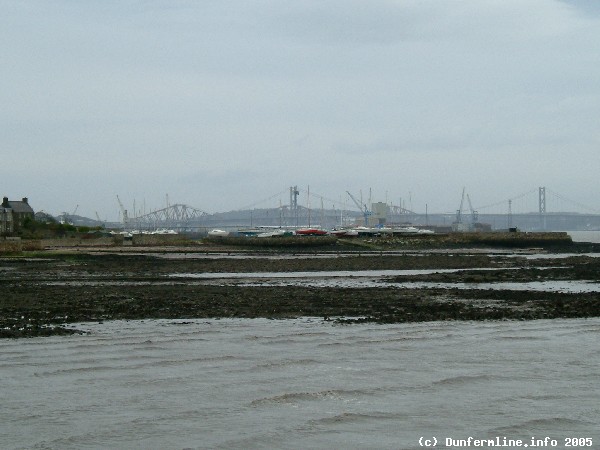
(43, 293)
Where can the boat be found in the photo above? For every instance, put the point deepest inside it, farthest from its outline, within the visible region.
(407, 230)
(164, 231)
(249, 232)
(311, 232)
(218, 233)
(344, 232)
(371, 231)
(274, 233)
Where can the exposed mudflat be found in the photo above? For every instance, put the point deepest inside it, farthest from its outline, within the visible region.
(42, 293)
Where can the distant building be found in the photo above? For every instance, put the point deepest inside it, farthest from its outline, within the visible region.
(6, 223)
(13, 215)
(380, 212)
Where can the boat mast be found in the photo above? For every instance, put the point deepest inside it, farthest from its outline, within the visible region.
(308, 204)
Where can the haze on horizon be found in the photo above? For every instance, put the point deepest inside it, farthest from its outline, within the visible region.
(223, 104)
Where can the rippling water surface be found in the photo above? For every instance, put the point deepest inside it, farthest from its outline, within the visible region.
(299, 384)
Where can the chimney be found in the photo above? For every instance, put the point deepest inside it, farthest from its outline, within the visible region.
(5, 202)
(25, 200)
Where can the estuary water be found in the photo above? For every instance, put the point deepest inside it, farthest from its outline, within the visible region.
(297, 384)
(585, 236)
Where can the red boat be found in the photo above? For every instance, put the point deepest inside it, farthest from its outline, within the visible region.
(310, 232)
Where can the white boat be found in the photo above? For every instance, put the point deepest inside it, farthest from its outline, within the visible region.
(218, 233)
(274, 233)
(343, 232)
(407, 230)
(371, 231)
(164, 231)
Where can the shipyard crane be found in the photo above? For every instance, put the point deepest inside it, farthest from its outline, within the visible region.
(459, 210)
(68, 218)
(124, 215)
(474, 214)
(100, 221)
(458, 224)
(363, 208)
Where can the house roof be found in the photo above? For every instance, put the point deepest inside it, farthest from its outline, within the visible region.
(20, 207)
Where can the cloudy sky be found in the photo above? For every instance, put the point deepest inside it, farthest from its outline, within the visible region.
(224, 104)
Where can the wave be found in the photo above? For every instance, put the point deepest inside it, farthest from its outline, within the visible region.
(544, 397)
(357, 417)
(287, 363)
(144, 361)
(550, 424)
(295, 397)
(282, 341)
(335, 344)
(392, 340)
(522, 338)
(75, 370)
(464, 379)
(181, 362)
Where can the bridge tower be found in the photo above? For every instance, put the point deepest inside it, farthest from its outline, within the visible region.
(542, 207)
(294, 192)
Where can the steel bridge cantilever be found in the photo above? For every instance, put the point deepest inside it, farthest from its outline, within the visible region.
(178, 216)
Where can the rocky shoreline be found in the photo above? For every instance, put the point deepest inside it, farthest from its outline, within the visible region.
(43, 292)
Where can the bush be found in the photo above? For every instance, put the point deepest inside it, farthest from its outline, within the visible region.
(34, 229)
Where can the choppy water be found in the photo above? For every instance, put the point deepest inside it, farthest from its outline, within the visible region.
(299, 384)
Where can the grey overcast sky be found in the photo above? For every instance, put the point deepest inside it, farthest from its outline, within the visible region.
(221, 104)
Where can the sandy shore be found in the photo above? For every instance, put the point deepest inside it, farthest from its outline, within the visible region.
(42, 293)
